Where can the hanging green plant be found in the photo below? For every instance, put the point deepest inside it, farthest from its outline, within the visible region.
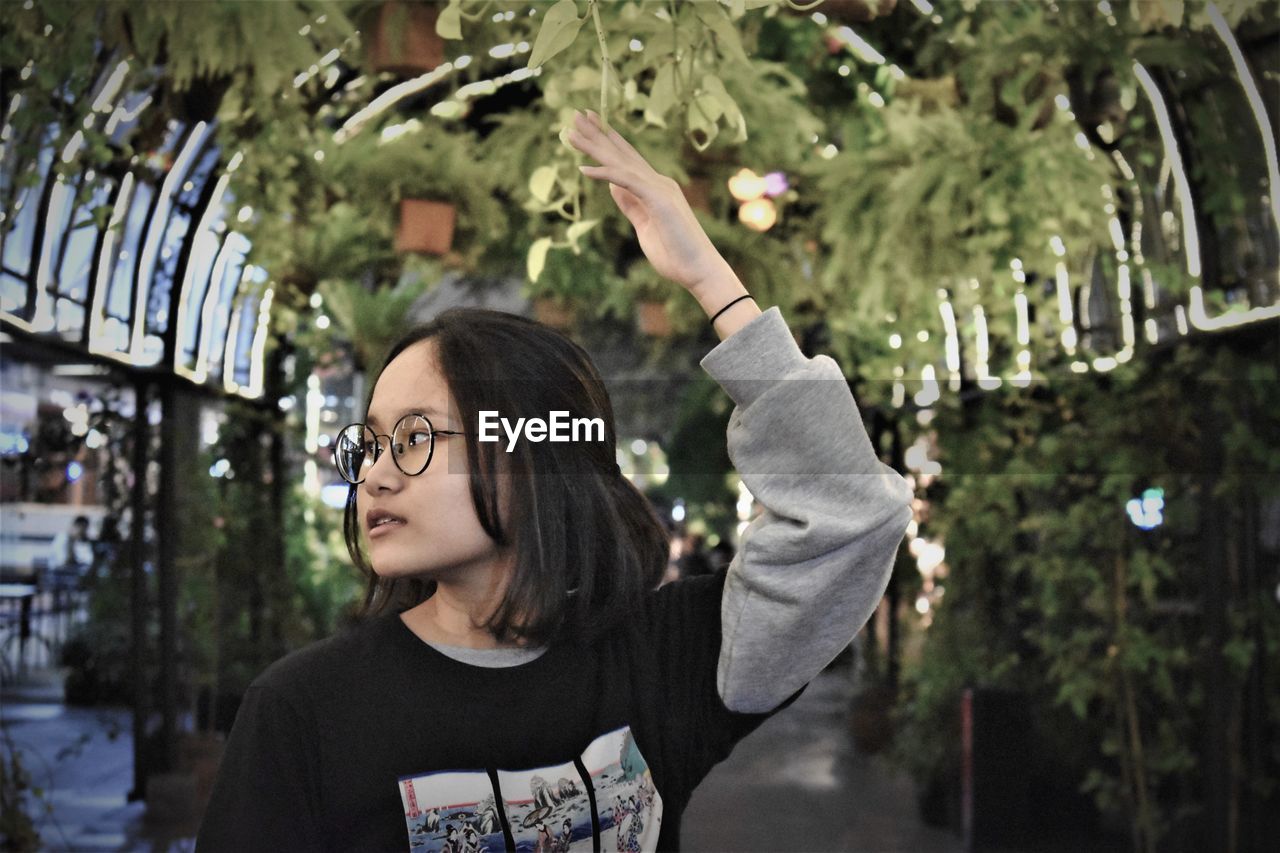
(686, 45)
(371, 318)
(575, 284)
(392, 175)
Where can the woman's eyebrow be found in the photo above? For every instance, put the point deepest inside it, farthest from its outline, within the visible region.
(426, 410)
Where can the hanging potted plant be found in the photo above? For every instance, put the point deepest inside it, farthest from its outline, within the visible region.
(371, 318)
(340, 243)
(552, 311)
(572, 286)
(403, 38)
(440, 193)
(650, 292)
(425, 226)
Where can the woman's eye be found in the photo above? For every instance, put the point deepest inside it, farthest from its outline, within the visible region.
(419, 438)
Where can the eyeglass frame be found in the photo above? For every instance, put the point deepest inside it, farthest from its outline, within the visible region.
(390, 437)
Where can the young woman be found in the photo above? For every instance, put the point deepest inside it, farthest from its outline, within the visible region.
(517, 670)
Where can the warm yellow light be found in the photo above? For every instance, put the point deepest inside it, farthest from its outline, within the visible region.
(758, 214)
(746, 185)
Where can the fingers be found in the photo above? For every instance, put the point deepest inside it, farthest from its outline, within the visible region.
(615, 137)
(608, 148)
(588, 139)
(620, 163)
(615, 176)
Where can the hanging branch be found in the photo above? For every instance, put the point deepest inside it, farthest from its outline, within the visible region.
(605, 66)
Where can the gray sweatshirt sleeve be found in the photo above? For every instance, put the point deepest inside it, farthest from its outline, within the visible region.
(811, 568)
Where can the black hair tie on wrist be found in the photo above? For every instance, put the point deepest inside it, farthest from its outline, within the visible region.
(727, 307)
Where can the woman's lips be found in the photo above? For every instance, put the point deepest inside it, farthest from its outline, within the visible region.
(384, 529)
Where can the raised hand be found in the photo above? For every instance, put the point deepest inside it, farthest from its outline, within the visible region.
(669, 233)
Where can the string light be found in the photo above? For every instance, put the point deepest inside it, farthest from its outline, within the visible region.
(1256, 105)
(929, 392)
(1174, 159)
(952, 345)
(746, 185)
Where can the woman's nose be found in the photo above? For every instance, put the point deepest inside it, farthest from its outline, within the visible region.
(383, 470)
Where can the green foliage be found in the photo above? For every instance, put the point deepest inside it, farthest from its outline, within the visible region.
(200, 541)
(316, 562)
(915, 199)
(16, 826)
(699, 467)
(422, 162)
(585, 280)
(918, 197)
(372, 318)
(1052, 591)
(343, 244)
(257, 602)
(692, 77)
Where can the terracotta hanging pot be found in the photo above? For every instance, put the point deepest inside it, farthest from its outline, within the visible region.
(403, 39)
(653, 319)
(551, 312)
(425, 226)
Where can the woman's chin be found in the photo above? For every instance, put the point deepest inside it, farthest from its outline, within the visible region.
(391, 571)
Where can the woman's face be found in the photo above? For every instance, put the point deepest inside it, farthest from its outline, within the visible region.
(441, 538)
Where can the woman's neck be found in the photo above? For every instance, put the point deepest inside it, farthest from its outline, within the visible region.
(444, 620)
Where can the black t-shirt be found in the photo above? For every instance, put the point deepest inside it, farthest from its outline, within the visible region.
(375, 740)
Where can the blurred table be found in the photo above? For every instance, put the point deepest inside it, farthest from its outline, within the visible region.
(15, 611)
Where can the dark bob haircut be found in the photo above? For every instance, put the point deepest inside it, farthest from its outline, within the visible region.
(588, 545)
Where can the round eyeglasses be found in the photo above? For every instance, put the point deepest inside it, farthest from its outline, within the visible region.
(413, 443)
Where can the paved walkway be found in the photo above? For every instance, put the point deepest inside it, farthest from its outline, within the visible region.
(793, 785)
(81, 759)
(796, 784)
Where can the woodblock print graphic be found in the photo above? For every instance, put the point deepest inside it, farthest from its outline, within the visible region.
(548, 808)
(451, 812)
(629, 805)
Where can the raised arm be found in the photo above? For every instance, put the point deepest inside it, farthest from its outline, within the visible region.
(813, 566)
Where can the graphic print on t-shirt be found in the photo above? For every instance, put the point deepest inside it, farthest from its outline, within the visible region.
(629, 805)
(548, 809)
(452, 812)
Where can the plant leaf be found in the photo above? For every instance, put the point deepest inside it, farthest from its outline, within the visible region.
(541, 182)
(715, 18)
(449, 24)
(559, 29)
(537, 257)
(662, 96)
(704, 112)
(577, 229)
(714, 86)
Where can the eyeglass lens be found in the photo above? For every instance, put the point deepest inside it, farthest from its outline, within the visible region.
(357, 448)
